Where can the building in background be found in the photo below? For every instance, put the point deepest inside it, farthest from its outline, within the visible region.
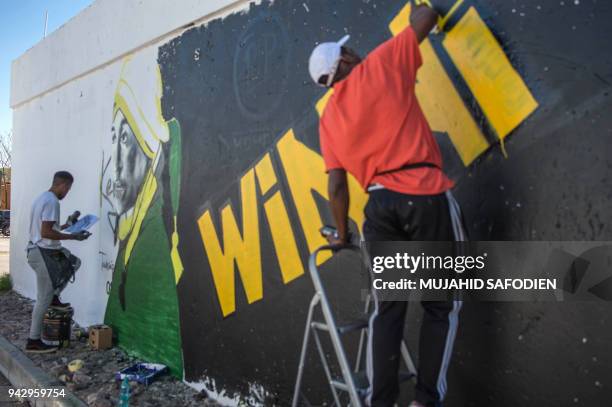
(5, 188)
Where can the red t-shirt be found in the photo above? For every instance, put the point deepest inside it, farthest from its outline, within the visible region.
(373, 122)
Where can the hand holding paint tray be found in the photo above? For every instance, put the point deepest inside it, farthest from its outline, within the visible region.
(82, 225)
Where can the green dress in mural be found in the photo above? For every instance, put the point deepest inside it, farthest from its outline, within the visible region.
(149, 325)
(142, 306)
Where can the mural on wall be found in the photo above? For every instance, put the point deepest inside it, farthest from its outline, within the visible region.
(243, 184)
(256, 181)
(139, 189)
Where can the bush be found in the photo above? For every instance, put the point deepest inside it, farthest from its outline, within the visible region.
(5, 283)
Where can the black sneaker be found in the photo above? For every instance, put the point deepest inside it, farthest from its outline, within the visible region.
(58, 305)
(38, 346)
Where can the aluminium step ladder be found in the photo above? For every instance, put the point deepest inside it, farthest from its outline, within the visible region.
(352, 381)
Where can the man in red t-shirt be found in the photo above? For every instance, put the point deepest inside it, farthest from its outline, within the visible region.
(374, 128)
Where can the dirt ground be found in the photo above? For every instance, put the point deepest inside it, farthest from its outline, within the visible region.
(94, 382)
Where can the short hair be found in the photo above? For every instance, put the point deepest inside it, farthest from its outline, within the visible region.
(61, 177)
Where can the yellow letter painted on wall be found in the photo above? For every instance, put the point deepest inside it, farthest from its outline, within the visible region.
(243, 249)
(265, 174)
(305, 173)
(498, 88)
(284, 241)
(443, 107)
(283, 238)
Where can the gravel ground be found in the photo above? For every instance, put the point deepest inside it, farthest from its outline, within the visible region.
(94, 383)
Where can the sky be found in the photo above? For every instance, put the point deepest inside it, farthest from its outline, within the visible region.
(22, 25)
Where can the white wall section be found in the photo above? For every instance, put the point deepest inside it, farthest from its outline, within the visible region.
(102, 33)
(61, 92)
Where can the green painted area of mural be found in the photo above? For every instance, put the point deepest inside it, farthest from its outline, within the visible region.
(149, 325)
(174, 165)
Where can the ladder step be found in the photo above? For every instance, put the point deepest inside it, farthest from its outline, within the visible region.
(321, 326)
(353, 326)
(361, 380)
(342, 329)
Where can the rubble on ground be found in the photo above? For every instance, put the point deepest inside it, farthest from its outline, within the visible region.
(94, 383)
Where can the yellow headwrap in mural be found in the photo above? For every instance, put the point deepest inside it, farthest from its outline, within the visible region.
(138, 97)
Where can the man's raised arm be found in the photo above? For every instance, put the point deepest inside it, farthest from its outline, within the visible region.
(427, 13)
(339, 203)
(423, 19)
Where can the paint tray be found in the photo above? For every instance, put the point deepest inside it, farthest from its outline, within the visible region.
(144, 373)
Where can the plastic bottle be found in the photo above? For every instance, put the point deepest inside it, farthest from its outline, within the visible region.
(124, 394)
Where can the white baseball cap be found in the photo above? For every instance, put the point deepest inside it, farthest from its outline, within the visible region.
(325, 59)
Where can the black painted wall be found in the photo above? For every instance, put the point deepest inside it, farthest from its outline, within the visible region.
(236, 85)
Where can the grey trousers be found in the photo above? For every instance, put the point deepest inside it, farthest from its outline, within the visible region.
(44, 291)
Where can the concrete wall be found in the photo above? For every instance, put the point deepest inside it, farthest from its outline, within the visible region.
(198, 147)
(61, 92)
(100, 35)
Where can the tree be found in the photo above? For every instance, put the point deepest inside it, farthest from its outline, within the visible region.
(6, 149)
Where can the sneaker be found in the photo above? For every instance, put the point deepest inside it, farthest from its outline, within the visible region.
(58, 305)
(38, 346)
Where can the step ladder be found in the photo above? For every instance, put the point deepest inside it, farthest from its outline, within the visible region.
(353, 380)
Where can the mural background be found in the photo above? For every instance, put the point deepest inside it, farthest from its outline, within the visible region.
(245, 209)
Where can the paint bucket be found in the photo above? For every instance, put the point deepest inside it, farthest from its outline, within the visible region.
(57, 327)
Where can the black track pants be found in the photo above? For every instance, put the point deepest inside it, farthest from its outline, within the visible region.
(394, 216)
